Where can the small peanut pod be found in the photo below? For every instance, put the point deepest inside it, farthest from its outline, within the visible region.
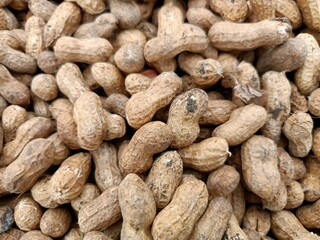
(298, 101)
(213, 222)
(8, 37)
(17, 61)
(164, 177)
(310, 11)
(285, 225)
(64, 21)
(218, 112)
(129, 58)
(184, 114)
(40, 192)
(187, 38)
(68, 181)
(315, 141)
(12, 90)
(205, 156)
(151, 138)
(278, 90)
(243, 123)
(295, 195)
(234, 231)
(100, 213)
(202, 17)
(90, 192)
(286, 57)
(109, 77)
(176, 221)
(127, 13)
(89, 50)
(306, 77)
(311, 180)
(249, 35)
(223, 181)
(279, 200)
(261, 9)
(138, 208)
(257, 219)
(42, 8)
(107, 173)
(37, 127)
(70, 81)
(235, 11)
(141, 107)
(308, 215)
(34, 29)
(27, 214)
(137, 82)
(90, 118)
(40, 107)
(203, 71)
(44, 86)
(260, 166)
(48, 62)
(116, 126)
(116, 103)
(298, 130)
(289, 9)
(285, 165)
(67, 130)
(12, 118)
(34, 160)
(92, 7)
(7, 20)
(35, 235)
(56, 222)
(313, 102)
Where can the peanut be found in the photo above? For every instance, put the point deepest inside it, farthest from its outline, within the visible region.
(40, 192)
(235, 11)
(89, 193)
(35, 235)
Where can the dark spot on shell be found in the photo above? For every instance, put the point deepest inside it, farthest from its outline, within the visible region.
(169, 163)
(191, 103)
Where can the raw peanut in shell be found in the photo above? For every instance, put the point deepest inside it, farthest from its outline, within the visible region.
(114, 230)
(295, 195)
(40, 192)
(184, 114)
(286, 57)
(60, 105)
(260, 166)
(56, 222)
(234, 230)
(279, 201)
(89, 193)
(310, 183)
(34, 29)
(298, 101)
(237, 200)
(249, 35)
(37, 127)
(234, 11)
(202, 17)
(89, 116)
(151, 138)
(137, 82)
(164, 177)
(257, 219)
(203, 71)
(315, 142)
(127, 13)
(213, 222)
(187, 38)
(138, 208)
(313, 102)
(27, 214)
(107, 172)
(68, 181)
(285, 165)
(298, 130)
(308, 215)
(261, 9)
(310, 13)
(3, 190)
(116, 126)
(306, 77)
(223, 181)
(100, 213)
(45, 86)
(42, 8)
(48, 62)
(278, 90)
(289, 9)
(34, 160)
(95, 235)
(74, 234)
(205, 156)
(177, 219)
(6, 218)
(141, 107)
(243, 123)
(67, 130)
(116, 103)
(218, 112)
(285, 225)
(90, 50)
(93, 7)
(61, 151)
(35, 235)
(64, 21)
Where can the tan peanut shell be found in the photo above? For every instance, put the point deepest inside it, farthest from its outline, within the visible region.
(107, 172)
(184, 114)
(48, 62)
(260, 166)
(61, 151)
(187, 38)
(34, 29)
(295, 195)
(90, 50)
(96, 235)
(190, 201)
(138, 208)
(129, 58)
(90, 192)
(116, 103)
(310, 182)
(45, 86)
(308, 215)
(310, 13)
(213, 222)
(67, 130)
(202, 17)
(205, 156)
(40, 192)
(289, 9)
(101, 212)
(234, 11)
(261, 9)
(297, 100)
(243, 123)
(68, 181)
(151, 138)
(92, 7)
(279, 201)
(164, 177)
(141, 107)
(35, 159)
(298, 130)
(234, 231)
(42, 8)
(127, 13)
(257, 219)
(285, 165)
(249, 35)
(137, 82)
(313, 103)
(35, 235)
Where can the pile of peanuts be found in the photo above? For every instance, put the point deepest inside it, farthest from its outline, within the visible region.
(164, 120)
